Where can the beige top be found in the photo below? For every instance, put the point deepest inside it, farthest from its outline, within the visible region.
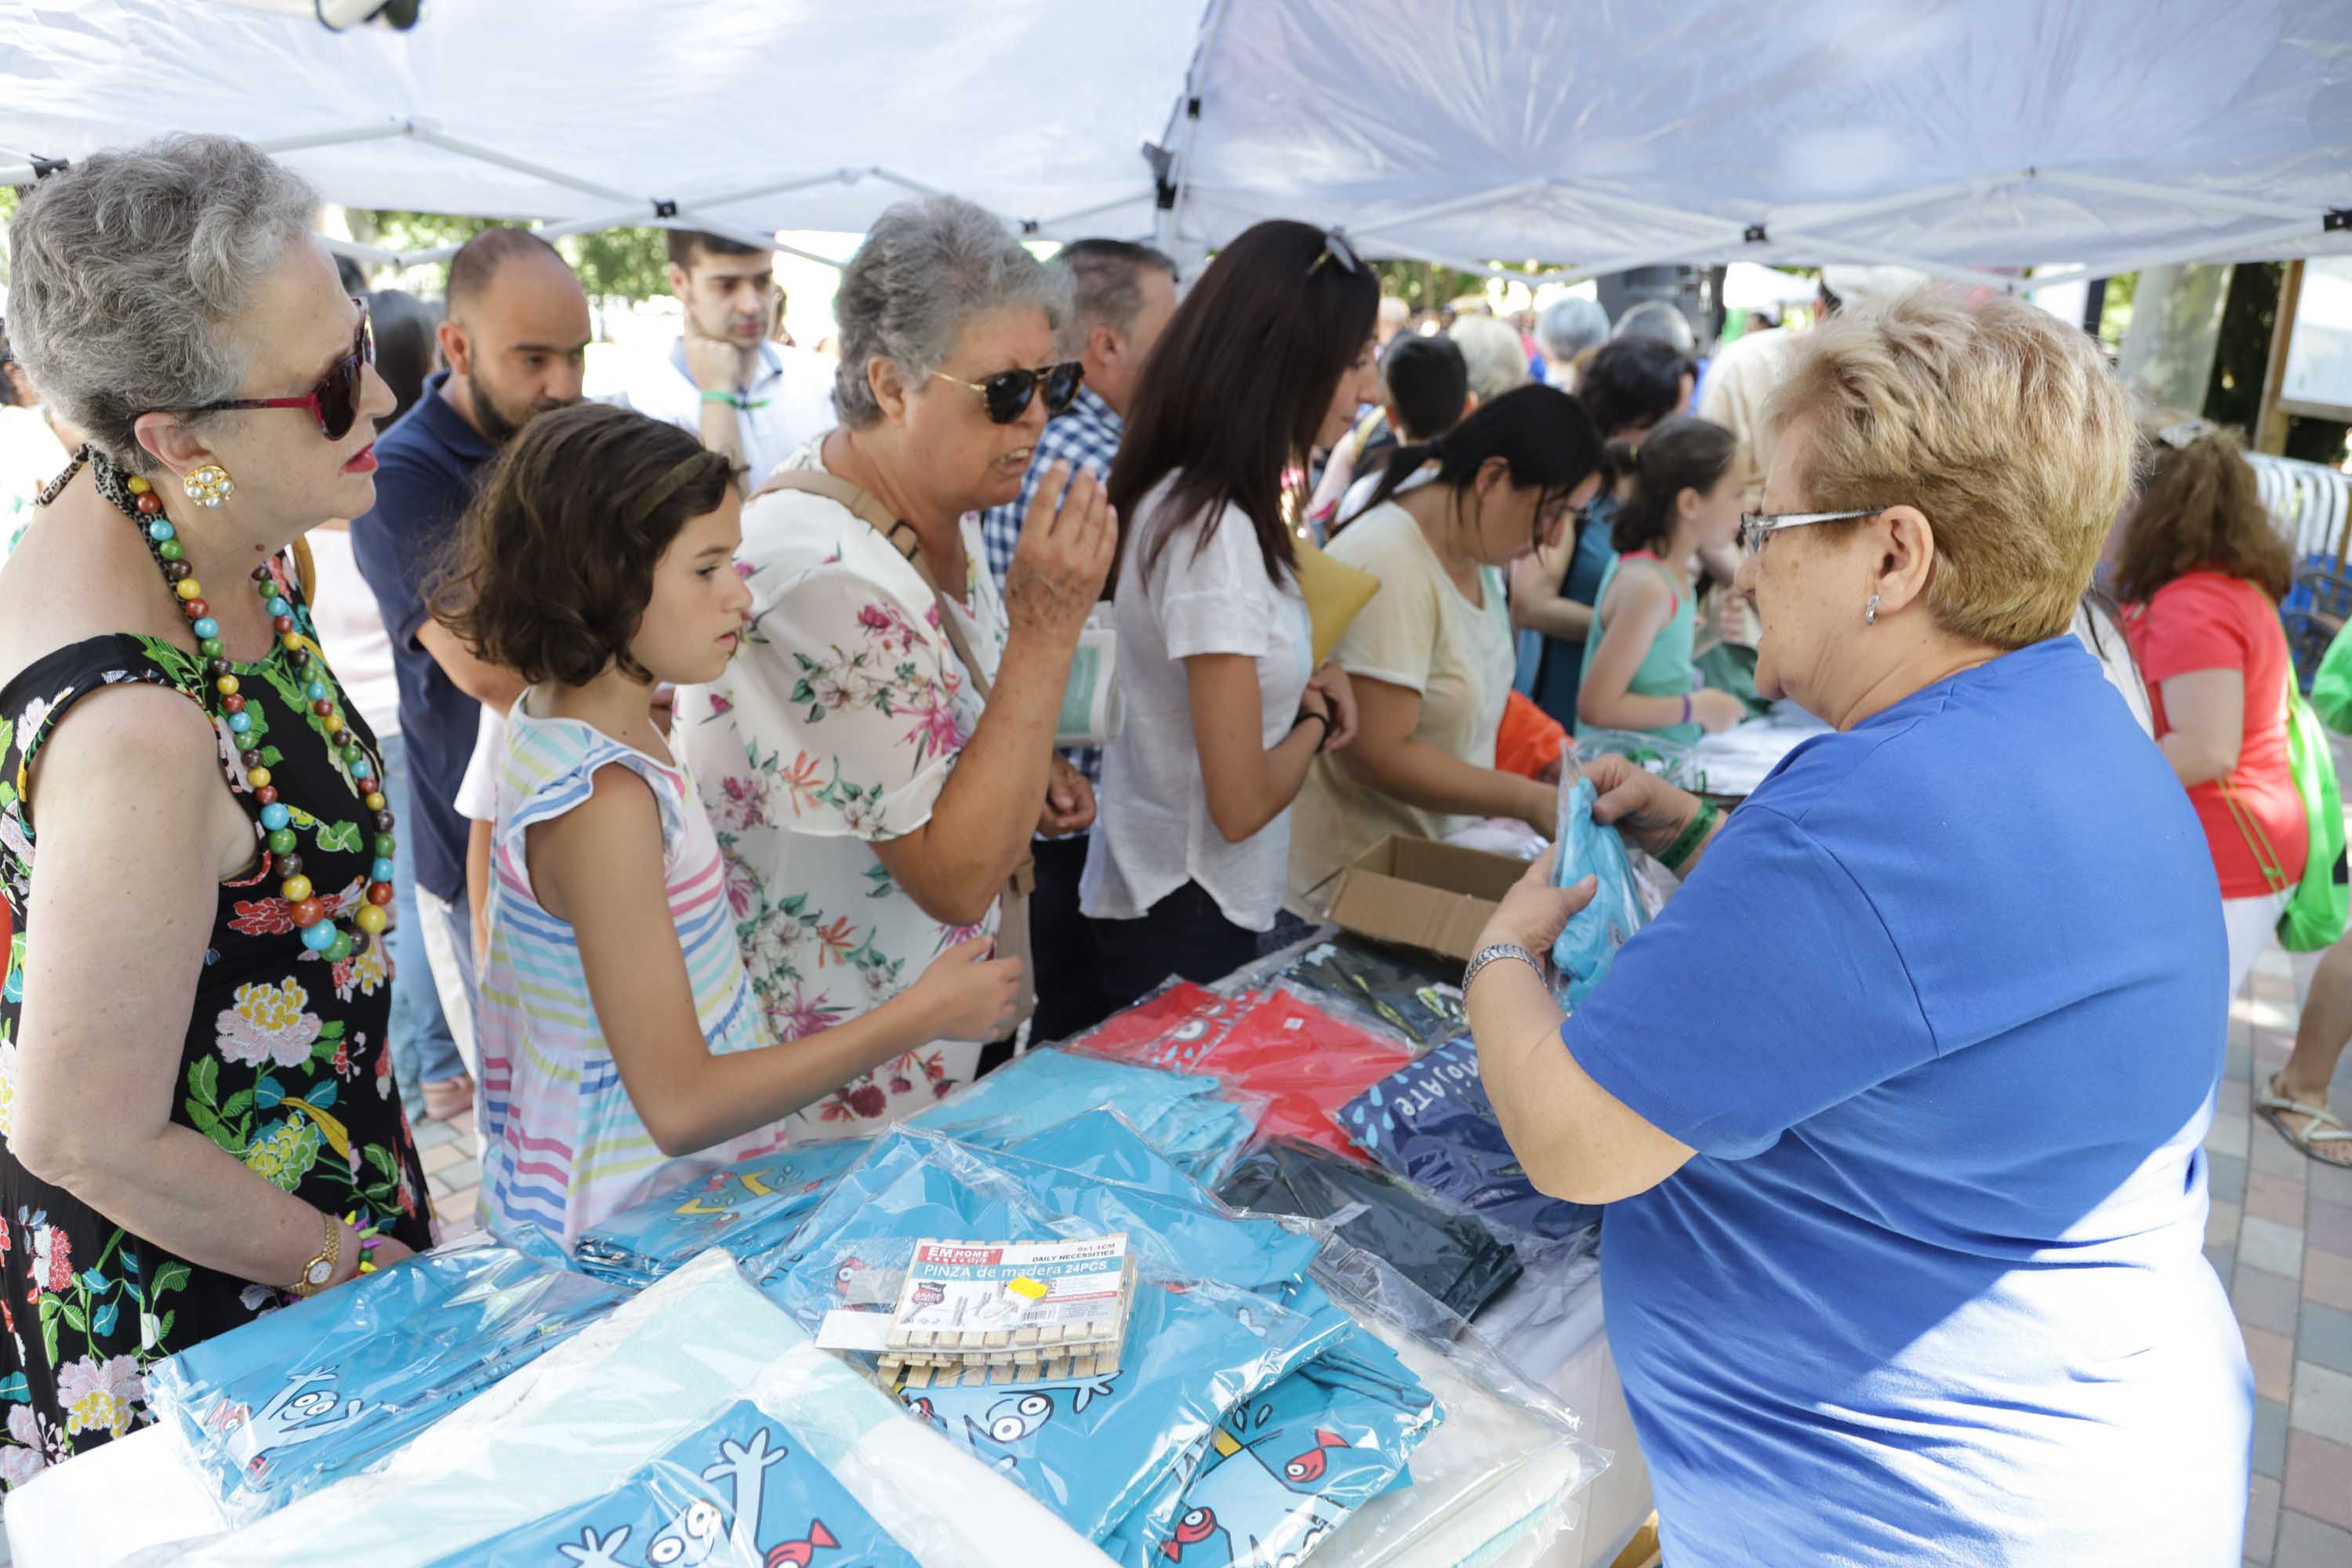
(1744, 373)
(1420, 632)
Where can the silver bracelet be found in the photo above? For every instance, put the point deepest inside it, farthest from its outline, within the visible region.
(1487, 955)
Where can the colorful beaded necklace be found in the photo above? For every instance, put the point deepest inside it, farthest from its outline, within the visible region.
(322, 931)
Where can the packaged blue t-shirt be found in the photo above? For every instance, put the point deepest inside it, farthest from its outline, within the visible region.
(1431, 1122)
(747, 1209)
(1588, 944)
(1184, 1116)
(309, 1393)
(741, 1492)
(1285, 1469)
(1086, 1447)
(1941, 1013)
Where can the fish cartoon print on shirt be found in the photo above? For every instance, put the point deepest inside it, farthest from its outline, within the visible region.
(298, 1414)
(1008, 1419)
(1246, 1508)
(695, 1532)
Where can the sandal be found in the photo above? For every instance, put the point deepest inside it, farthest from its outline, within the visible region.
(449, 1098)
(2322, 1125)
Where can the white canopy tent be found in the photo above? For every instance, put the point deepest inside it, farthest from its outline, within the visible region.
(1957, 135)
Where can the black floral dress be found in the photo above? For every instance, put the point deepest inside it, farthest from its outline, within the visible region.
(285, 1066)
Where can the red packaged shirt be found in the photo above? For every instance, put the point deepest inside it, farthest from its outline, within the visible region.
(1170, 1030)
(1300, 1062)
(1306, 1064)
(2206, 620)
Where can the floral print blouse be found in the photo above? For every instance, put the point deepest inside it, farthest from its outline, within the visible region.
(284, 1068)
(836, 726)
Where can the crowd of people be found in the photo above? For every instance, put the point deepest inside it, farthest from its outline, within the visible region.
(669, 775)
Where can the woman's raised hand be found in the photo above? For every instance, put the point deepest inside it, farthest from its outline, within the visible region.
(1069, 539)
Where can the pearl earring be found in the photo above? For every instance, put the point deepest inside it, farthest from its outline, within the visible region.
(1870, 616)
(208, 486)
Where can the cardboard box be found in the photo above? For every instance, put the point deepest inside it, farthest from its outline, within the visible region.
(1420, 893)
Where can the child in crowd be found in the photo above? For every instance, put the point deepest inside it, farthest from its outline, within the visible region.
(1687, 476)
(1425, 393)
(618, 1031)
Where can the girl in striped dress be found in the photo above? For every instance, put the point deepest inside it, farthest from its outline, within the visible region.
(619, 1043)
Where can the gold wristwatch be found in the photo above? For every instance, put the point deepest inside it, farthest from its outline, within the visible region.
(321, 1267)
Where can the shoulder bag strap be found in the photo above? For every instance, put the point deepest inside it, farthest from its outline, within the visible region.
(902, 538)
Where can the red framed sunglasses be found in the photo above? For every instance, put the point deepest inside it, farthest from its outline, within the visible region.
(335, 400)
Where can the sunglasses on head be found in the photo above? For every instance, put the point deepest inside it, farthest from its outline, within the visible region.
(1008, 391)
(335, 400)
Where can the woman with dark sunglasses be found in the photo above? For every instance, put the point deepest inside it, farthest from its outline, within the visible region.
(881, 751)
(1226, 710)
(194, 849)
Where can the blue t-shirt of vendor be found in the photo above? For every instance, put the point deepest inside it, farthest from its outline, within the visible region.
(1942, 1012)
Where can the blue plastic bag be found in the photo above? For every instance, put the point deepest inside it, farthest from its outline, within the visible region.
(1104, 1143)
(304, 1395)
(1183, 1115)
(1432, 1123)
(1285, 1469)
(747, 1209)
(742, 1492)
(1088, 1448)
(1589, 945)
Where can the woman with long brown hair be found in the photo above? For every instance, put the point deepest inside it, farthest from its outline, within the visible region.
(2200, 573)
(1225, 709)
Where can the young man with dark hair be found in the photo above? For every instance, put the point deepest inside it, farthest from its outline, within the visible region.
(747, 396)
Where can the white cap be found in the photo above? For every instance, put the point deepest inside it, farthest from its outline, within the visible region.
(1853, 284)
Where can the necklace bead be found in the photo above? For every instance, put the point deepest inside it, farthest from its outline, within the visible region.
(222, 694)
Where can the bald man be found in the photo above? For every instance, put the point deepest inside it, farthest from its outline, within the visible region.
(516, 338)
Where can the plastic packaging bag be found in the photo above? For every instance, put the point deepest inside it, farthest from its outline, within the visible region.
(1672, 761)
(1431, 1123)
(285, 1404)
(1502, 1474)
(1413, 996)
(1170, 1028)
(741, 1492)
(1589, 944)
(1282, 1470)
(1185, 1116)
(1306, 1064)
(1089, 1449)
(575, 1424)
(1443, 1249)
(745, 1209)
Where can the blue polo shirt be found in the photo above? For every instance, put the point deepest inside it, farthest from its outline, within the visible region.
(1942, 1012)
(426, 465)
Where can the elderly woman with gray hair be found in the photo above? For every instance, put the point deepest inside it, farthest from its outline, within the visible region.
(195, 857)
(879, 755)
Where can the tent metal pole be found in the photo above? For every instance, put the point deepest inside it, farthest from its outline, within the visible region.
(1824, 214)
(358, 252)
(1458, 263)
(2207, 201)
(524, 166)
(1195, 81)
(2303, 236)
(776, 188)
(1058, 219)
(1842, 250)
(1447, 208)
(388, 131)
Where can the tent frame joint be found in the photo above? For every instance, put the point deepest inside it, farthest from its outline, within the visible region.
(2337, 220)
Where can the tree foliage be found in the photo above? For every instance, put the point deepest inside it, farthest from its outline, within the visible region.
(615, 263)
